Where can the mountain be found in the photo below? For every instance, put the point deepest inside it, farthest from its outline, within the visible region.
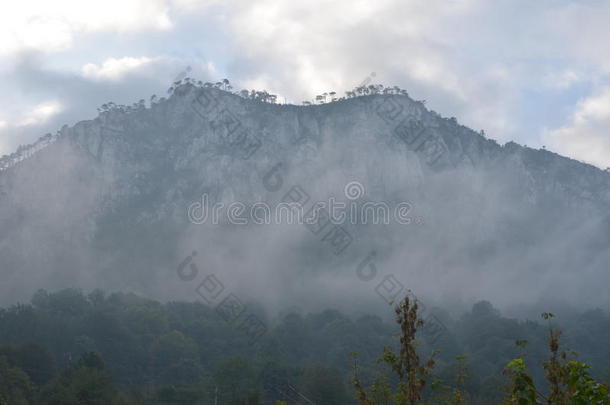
(116, 202)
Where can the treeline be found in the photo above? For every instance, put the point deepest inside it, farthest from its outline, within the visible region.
(257, 95)
(70, 347)
(224, 85)
(266, 97)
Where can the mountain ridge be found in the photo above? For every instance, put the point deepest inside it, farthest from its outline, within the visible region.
(106, 202)
(28, 150)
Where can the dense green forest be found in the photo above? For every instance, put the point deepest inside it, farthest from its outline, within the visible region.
(74, 348)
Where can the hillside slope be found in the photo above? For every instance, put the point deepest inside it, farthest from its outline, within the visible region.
(104, 204)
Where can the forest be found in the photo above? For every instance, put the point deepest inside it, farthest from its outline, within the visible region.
(72, 347)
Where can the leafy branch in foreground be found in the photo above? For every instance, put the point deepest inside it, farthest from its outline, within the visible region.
(570, 382)
(412, 374)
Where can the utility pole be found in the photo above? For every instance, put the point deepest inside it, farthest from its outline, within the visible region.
(216, 395)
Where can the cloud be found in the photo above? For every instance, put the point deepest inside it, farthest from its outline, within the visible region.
(52, 26)
(11, 133)
(113, 68)
(41, 113)
(46, 97)
(587, 135)
(38, 115)
(463, 57)
(580, 28)
(303, 49)
(563, 79)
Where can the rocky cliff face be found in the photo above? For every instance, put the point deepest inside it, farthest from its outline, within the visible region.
(105, 203)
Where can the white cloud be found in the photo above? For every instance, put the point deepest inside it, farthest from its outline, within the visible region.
(462, 56)
(40, 113)
(582, 29)
(301, 49)
(11, 131)
(562, 79)
(51, 26)
(193, 4)
(115, 68)
(587, 136)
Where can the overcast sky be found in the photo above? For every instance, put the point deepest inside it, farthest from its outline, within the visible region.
(536, 72)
